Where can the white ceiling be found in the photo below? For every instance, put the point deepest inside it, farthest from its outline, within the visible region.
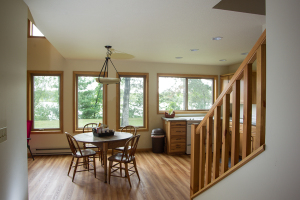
(148, 30)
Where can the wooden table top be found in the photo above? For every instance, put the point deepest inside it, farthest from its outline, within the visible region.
(90, 138)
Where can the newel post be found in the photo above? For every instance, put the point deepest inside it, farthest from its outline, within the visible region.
(195, 152)
(260, 97)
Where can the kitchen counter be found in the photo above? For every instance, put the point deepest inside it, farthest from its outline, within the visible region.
(253, 123)
(183, 118)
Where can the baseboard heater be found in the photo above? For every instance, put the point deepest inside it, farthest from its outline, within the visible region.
(52, 151)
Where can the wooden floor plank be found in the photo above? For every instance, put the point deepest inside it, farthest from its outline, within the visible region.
(162, 177)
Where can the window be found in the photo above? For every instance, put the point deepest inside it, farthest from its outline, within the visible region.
(45, 100)
(33, 31)
(186, 93)
(132, 100)
(89, 100)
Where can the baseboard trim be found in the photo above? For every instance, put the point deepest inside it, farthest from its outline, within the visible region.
(68, 153)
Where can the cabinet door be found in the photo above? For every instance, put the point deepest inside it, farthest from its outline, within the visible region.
(178, 124)
(253, 89)
(178, 147)
(178, 139)
(225, 79)
(178, 131)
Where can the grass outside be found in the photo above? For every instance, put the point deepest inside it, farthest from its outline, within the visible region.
(81, 122)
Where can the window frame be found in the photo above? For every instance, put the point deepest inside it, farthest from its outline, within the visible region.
(188, 76)
(76, 129)
(146, 99)
(29, 31)
(30, 112)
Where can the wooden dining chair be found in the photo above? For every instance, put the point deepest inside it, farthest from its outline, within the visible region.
(127, 157)
(88, 128)
(87, 155)
(129, 129)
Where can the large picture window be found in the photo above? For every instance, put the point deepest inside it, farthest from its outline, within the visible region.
(89, 100)
(132, 100)
(185, 93)
(45, 100)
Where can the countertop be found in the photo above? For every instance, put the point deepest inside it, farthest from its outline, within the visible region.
(183, 118)
(199, 119)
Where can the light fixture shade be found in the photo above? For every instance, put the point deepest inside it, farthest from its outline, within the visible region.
(107, 80)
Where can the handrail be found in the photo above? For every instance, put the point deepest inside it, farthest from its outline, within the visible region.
(212, 134)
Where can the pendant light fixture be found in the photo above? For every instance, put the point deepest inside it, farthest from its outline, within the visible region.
(103, 77)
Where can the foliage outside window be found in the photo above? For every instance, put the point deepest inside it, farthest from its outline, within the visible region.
(132, 100)
(45, 101)
(33, 31)
(185, 93)
(89, 100)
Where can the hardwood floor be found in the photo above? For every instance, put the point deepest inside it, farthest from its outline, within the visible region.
(163, 177)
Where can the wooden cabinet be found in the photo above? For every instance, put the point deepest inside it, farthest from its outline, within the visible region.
(224, 80)
(175, 136)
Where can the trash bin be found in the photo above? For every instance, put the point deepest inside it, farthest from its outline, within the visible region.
(158, 140)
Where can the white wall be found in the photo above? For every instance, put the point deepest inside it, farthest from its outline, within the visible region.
(274, 174)
(13, 40)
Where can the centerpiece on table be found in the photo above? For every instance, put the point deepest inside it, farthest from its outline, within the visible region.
(102, 130)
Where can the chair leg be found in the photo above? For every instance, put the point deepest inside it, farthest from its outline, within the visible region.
(94, 165)
(70, 165)
(109, 171)
(99, 153)
(30, 151)
(87, 160)
(127, 174)
(121, 169)
(75, 169)
(136, 170)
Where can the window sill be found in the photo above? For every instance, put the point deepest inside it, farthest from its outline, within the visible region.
(47, 132)
(137, 129)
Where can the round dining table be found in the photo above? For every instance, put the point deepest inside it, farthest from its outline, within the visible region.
(104, 143)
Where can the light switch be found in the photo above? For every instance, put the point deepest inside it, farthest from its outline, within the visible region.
(5, 133)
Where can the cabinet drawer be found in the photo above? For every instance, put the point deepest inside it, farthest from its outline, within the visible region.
(178, 124)
(178, 131)
(178, 139)
(177, 147)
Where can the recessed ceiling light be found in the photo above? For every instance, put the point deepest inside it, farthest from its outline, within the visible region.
(217, 38)
(223, 60)
(194, 49)
(246, 53)
(178, 57)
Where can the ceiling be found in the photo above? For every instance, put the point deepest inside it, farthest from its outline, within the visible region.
(148, 30)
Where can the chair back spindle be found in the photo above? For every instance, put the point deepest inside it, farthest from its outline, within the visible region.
(88, 127)
(74, 146)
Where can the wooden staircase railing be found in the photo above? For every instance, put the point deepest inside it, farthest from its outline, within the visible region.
(212, 134)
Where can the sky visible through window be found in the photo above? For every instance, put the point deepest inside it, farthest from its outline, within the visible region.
(36, 31)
